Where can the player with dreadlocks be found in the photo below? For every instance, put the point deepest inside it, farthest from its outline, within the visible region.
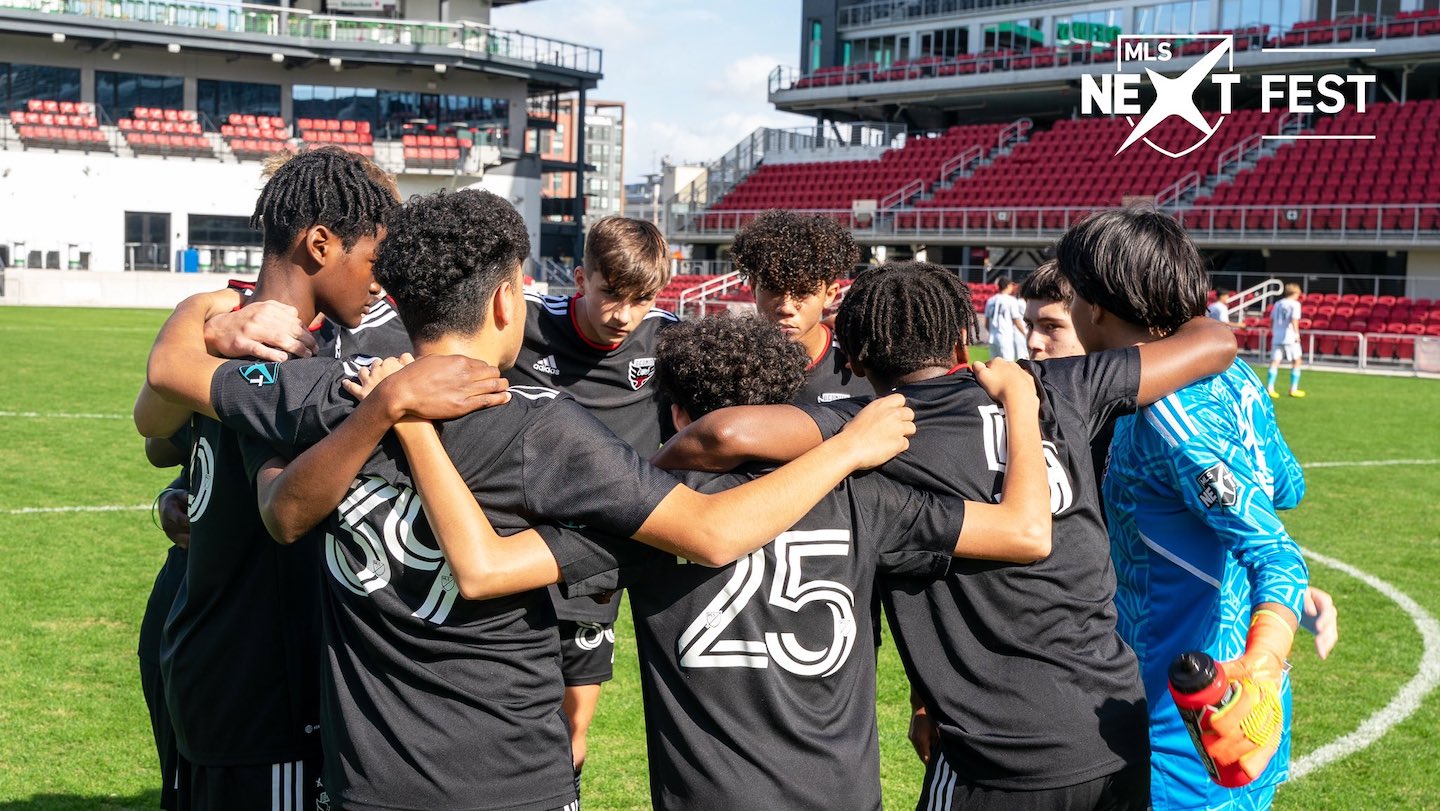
(794, 264)
(995, 732)
(240, 649)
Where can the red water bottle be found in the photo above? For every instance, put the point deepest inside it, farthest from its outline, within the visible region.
(1200, 689)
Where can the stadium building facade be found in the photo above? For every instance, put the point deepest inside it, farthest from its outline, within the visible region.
(1302, 142)
(135, 129)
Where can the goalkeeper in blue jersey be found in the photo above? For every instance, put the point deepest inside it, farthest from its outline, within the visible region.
(1191, 493)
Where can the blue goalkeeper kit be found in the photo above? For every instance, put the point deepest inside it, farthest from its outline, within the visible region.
(1191, 492)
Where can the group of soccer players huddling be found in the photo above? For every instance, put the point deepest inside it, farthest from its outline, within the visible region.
(414, 495)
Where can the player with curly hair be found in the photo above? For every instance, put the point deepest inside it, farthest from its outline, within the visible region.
(794, 264)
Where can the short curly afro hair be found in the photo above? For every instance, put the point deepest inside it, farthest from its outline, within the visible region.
(444, 255)
(793, 254)
(722, 361)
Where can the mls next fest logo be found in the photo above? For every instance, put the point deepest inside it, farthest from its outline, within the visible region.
(1118, 93)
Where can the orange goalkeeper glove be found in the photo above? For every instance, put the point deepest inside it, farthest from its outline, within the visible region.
(1247, 731)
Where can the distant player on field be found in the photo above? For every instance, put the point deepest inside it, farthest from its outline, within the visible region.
(1219, 309)
(598, 346)
(794, 264)
(1285, 341)
(1193, 485)
(1005, 316)
(772, 706)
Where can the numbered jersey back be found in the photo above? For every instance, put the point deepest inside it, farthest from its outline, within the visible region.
(759, 677)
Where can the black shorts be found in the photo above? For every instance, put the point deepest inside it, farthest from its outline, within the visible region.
(587, 652)
(152, 684)
(293, 786)
(945, 790)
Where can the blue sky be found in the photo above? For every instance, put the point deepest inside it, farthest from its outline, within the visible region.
(692, 73)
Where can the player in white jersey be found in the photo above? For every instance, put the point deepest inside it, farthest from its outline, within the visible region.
(1285, 340)
(1005, 316)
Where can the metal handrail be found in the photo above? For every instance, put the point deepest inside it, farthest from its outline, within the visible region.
(961, 161)
(1170, 193)
(1257, 295)
(300, 24)
(903, 194)
(701, 293)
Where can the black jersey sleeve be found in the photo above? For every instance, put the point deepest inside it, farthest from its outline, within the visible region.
(290, 405)
(1101, 385)
(576, 471)
(591, 563)
(831, 417)
(915, 530)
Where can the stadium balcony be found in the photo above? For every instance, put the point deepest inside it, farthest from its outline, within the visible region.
(253, 137)
(51, 124)
(155, 131)
(1254, 38)
(354, 136)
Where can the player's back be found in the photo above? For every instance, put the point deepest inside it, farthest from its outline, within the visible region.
(240, 647)
(759, 677)
(1284, 321)
(988, 645)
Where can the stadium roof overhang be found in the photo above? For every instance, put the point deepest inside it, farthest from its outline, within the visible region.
(1038, 92)
(540, 76)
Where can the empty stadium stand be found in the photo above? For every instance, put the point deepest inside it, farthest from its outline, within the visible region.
(834, 185)
(50, 124)
(1074, 166)
(1330, 185)
(431, 151)
(155, 131)
(352, 135)
(253, 137)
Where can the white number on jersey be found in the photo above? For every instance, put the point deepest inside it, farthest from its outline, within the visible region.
(202, 479)
(400, 508)
(701, 645)
(1062, 494)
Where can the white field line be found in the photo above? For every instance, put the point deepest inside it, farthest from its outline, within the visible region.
(1373, 463)
(63, 415)
(96, 508)
(1405, 702)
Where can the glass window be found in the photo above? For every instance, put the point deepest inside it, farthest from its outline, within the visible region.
(217, 99)
(1015, 35)
(120, 93)
(214, 229)
(20, 83)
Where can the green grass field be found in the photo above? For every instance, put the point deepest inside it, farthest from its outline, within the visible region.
(75, 732)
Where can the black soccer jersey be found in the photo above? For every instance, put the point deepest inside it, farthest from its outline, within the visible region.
(430, 700)
(830, 378)
(240, 648)
(1020, 665)
(380, 334)
(612, 382)
(759, 677)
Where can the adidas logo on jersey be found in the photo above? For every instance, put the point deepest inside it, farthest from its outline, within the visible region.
(546, 365)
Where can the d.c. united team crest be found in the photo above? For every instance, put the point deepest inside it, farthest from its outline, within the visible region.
(641, 369)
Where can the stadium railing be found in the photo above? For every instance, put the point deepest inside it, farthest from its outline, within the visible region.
(473, 38)
(1363, 350)
(1343, 29)
(1416, 222)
